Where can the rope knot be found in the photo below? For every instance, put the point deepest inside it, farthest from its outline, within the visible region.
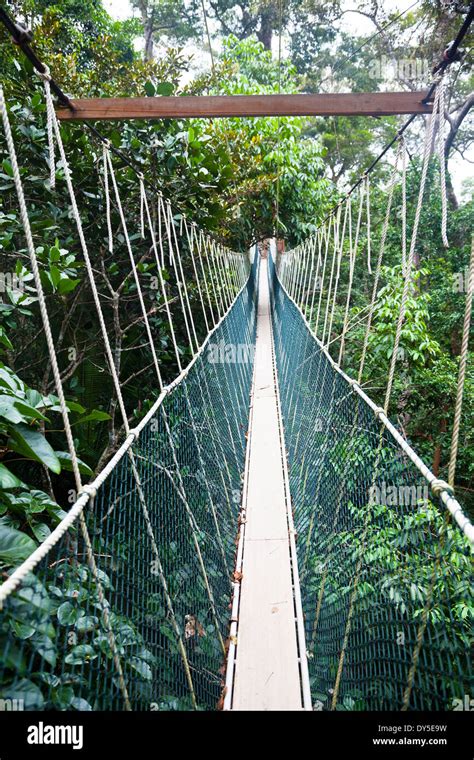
(89, 489)
(133, 434)
(437, 486)
(378, 411)
(44, 75)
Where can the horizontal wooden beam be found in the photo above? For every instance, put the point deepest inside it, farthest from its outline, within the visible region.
(208, 106)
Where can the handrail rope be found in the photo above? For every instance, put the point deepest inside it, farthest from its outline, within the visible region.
(17, 576)
(59, 388)
(438, 487)
(442, 164)
(367, 519)
(130, 452)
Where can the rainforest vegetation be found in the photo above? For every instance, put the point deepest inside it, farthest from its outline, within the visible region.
(243, 180)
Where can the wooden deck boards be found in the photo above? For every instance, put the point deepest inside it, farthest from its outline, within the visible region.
(266, 672)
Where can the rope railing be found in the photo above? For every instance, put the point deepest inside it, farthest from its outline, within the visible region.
(127, 596)
(383, 548)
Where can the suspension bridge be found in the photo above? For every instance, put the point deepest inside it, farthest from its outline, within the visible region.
(241, 550)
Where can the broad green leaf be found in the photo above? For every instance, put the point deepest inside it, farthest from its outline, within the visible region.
(41, 531)
(141, 667)
(9, 411)
(26, 691)
(95, 416)
(32, 444)
(15, 546)
(8, 479)
(150, 89)
(66, 463)
(67, 613)
(81, 654)
(165, 88)
(66, 285)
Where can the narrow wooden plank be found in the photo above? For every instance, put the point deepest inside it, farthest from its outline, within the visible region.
(208, 106)
(266, 671)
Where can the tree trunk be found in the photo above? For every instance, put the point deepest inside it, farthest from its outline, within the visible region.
(149, 40)
(265, 33)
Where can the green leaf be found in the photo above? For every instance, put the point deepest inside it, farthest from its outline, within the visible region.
(95, 416)
(8, 479)
(141, 667)
(43, 646)
(55, 275)
(5, 340)
(81, 654)
(66, 463)
(150, 89)
(27, 691)
(66, 285)
(67, 613)
(15, 546)
(80, 704)
(7, 167)
(165, 88)
(32, 444)
(9, 411)
(87, 623)
(41, 531)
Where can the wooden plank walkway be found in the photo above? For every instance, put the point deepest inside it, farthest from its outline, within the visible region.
(267, 675)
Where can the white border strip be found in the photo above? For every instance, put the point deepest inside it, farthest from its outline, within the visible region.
(89, 490)
(452, 505)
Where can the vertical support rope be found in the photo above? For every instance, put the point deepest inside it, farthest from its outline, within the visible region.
(414, 237)
(462, 370)
(442, 164)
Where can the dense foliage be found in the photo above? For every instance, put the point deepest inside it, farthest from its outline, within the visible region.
(241, 179)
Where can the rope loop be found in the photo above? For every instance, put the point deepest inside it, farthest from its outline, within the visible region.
(438, 486)
(44, 75)
(89, 489)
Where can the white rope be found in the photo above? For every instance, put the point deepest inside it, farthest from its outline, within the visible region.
(168, 219)
(369, 230)
(46, 77)
(400, 152)
(134, 267)
(107, 198)
(90, 272)
(85, 533)
(39, 288)
(442, 164)
(414, 237)
(347, 216)
(160, 276)
(462, 370)
(404, 205)
(142, 213)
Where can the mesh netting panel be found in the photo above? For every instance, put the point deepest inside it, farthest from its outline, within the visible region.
(163, 557)
(385, 576)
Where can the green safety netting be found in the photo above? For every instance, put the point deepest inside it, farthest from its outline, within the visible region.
(164, 556)
(385, 575)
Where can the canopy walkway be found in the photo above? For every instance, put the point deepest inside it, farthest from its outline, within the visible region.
(265, 537)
